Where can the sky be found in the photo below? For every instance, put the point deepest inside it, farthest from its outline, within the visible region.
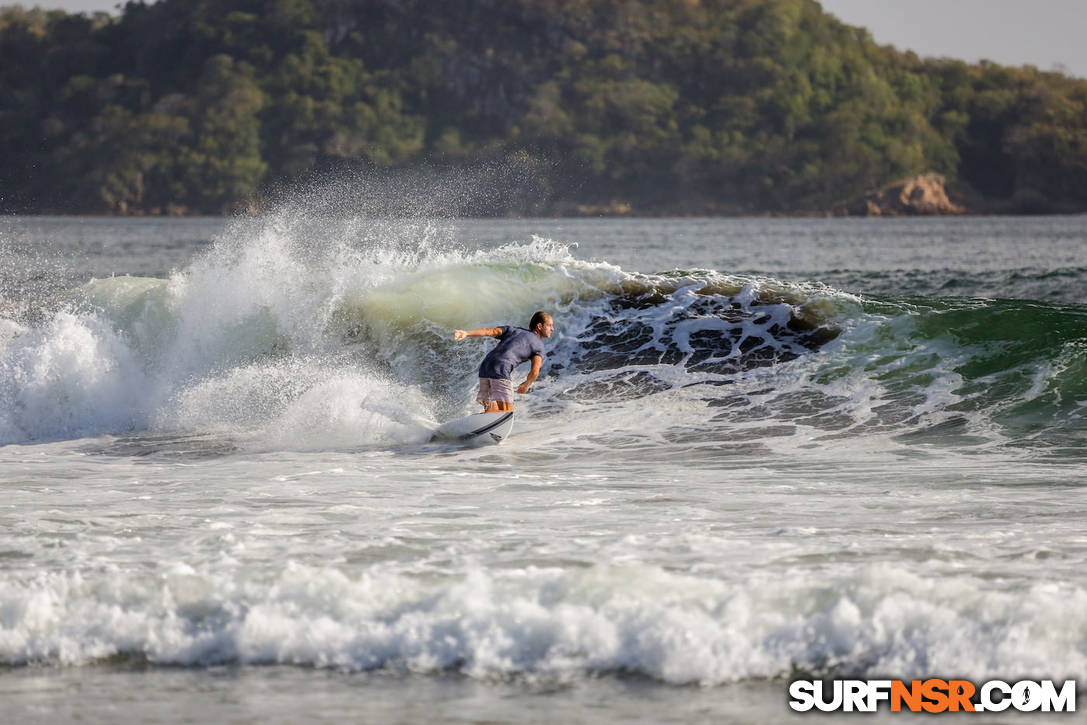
(1044, 33)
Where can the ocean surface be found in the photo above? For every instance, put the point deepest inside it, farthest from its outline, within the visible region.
(759, 449)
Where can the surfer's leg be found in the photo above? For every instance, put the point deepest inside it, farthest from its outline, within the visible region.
(496, 396)
(502, 394)
(483, 397)
(487, 396)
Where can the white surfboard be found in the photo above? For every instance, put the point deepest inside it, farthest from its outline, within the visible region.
(478, 428)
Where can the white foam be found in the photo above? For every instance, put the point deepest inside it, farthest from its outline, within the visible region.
(9, 330)
(73, 376)
(301, 404)
(872, 621)
(349, 409)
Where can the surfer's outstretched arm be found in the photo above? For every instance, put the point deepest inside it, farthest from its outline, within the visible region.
(534, 373)
(479, 332)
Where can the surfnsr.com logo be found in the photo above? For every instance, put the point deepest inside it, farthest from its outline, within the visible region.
(932, 696)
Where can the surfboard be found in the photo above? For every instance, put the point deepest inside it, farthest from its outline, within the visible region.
(478, 428)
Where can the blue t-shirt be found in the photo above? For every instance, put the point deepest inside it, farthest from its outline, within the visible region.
(515, 346)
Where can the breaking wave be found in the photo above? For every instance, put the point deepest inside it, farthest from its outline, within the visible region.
(326, 336)
(551, 622)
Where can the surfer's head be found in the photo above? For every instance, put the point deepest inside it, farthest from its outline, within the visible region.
(542, 324)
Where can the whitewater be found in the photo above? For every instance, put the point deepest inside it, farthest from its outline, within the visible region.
(758, 450)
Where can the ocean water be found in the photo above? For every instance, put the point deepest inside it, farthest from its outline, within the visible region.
(759, 449)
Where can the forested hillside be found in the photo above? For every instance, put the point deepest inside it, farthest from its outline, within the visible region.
(665, 106)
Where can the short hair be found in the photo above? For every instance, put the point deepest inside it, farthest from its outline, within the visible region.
(539, 318)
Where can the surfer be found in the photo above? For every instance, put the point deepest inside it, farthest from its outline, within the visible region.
(515, 346)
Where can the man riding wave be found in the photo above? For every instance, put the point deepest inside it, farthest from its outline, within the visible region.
(515, 346)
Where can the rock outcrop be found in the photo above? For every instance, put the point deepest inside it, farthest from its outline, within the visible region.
(924, 194)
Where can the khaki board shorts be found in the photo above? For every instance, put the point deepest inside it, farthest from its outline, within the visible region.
(495, 390)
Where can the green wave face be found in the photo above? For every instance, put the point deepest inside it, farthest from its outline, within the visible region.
(979, 372)
(1027, 363)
